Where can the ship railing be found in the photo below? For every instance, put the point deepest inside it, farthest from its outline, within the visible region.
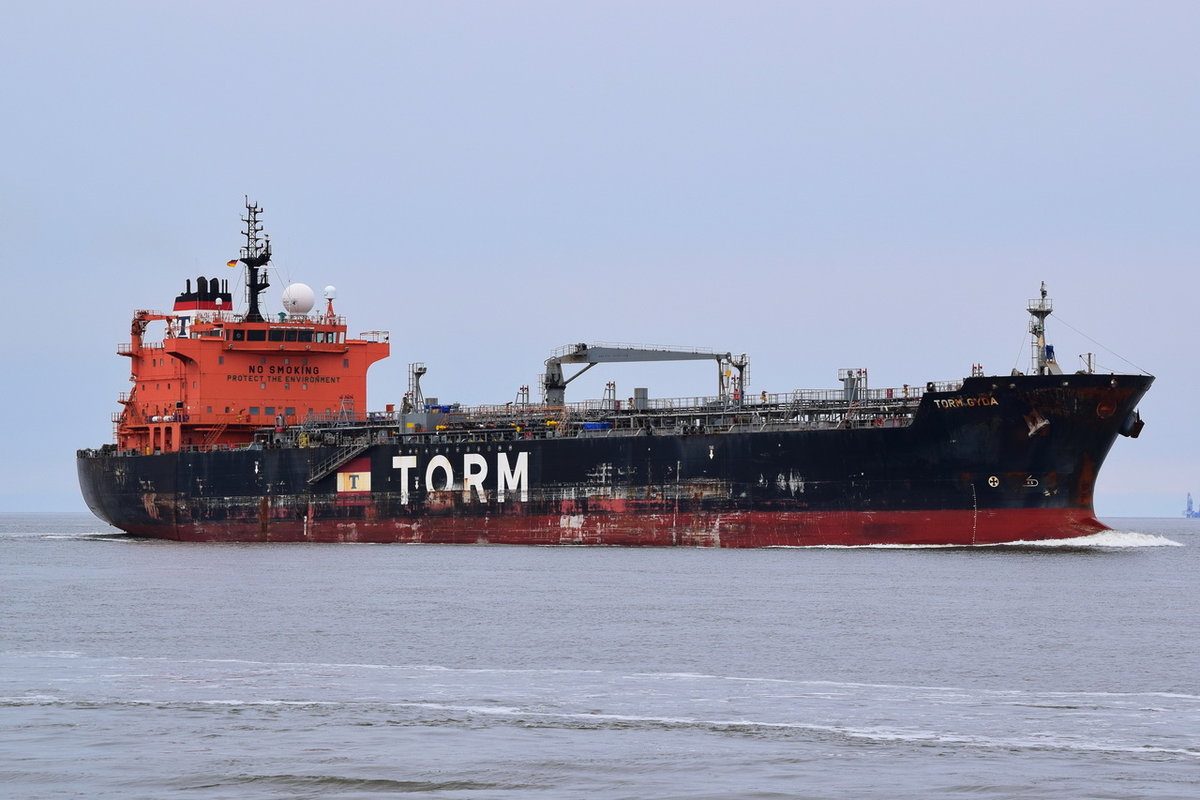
(126, 348)
(220, 447)
(833, 401)
(684, 422)
(316, 319)
(229, 316)
(647, 425)
(909, 392)
(333, 419)
(707, 404)
(290, 319)
(806, 408)
(510, 409)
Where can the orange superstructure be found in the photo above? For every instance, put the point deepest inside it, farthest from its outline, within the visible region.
(216, 377)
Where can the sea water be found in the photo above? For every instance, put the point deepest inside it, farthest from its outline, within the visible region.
(133, 668)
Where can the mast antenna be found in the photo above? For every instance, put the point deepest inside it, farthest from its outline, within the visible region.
(256, 254)
(1039, 308)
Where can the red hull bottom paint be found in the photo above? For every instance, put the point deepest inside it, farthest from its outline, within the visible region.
(737, 529)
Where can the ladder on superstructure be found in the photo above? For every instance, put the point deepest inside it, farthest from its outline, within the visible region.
(214, 434)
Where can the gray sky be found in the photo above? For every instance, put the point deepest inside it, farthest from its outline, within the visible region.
(820, 185)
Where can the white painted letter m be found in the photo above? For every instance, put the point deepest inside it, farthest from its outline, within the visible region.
(515, 479)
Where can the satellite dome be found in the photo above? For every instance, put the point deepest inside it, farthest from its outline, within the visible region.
(298, 298)
(330, 292)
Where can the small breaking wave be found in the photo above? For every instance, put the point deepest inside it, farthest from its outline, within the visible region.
(341, 783)
(1103, 539)
(91, 536)
(1097, 541)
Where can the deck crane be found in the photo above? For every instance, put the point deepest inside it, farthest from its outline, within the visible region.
(555, 383)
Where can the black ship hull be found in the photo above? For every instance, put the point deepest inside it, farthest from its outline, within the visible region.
(997, 460)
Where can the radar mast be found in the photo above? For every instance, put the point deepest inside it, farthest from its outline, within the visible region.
(256, 254)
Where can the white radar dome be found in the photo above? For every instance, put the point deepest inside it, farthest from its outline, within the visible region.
(330, 292)
(298, 298)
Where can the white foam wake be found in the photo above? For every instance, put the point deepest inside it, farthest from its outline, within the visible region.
(1103, 539)
(1106, 539)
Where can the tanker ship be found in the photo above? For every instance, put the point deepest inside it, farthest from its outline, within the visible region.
(242, 427)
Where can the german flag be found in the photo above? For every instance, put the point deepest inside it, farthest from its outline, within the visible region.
(231, 263)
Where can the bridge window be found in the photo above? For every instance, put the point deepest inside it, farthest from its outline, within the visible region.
(239, 336)
(275, 335)
(306, 336)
